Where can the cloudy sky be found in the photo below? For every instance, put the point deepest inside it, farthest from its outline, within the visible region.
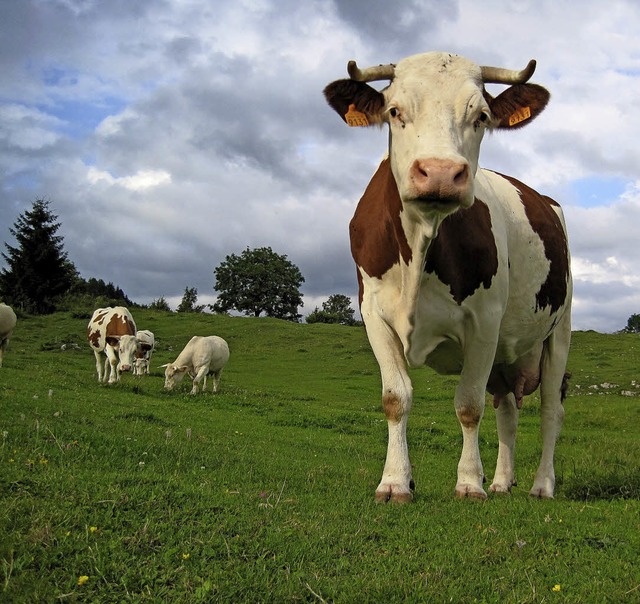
(168, 134)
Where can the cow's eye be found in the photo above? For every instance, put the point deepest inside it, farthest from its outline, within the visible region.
(393, 112)
(483, 117)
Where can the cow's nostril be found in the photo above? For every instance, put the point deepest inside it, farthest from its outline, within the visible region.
(462, 175)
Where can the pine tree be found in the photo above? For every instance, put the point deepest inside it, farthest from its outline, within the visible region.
(38, 271)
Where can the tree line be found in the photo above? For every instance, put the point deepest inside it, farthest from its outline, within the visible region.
(39, 278)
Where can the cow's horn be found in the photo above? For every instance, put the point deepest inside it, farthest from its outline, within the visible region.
(370, 74)
(498, 75)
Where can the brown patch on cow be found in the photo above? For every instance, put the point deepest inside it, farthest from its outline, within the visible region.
(93, 337)
(342, 93)
(120, 325)
(393, 408)
(547, 225)
(469, 416)
(464, 255)
(514, 100)
(377, 237)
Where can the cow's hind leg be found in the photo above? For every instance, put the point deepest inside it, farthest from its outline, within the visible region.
(552, 389)
(507, 423)
(99, 364)
(216, 379)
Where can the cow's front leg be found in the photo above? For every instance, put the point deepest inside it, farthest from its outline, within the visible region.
(200, 375)
(112, 357)
(397, 483)
(469, 403)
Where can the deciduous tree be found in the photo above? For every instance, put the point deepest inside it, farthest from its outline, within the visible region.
(259, 281)
(188, 302)
(337, 309)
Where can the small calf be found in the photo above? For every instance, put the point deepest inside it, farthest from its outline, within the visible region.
(146, 343)
(7, 323)
(202, 356)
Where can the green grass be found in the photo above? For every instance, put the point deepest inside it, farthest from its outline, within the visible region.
(264, 491)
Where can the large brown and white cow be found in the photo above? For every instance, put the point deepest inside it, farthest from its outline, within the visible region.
(112, 330)
(459, 268)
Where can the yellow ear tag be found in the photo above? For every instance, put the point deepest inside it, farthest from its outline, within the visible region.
(524, 113)
(355, 118)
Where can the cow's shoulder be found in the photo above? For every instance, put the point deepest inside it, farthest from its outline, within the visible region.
(377, 238)
(464, 254)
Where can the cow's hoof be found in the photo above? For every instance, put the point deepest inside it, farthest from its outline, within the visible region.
(467, 491)
(541, 493)
(395, 494)
(502, 486)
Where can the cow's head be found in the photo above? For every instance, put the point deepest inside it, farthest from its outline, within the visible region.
(437, 109)
(173, 374)
(126, 346)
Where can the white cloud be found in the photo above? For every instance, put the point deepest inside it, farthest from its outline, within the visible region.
(140, 181)
(207, 128)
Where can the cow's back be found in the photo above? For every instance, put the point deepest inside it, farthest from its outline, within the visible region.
(107, 322)
(8, 320)
(211, 350)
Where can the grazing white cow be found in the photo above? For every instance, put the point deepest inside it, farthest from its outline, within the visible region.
(7, 323)
(146, 343)
(202, 356)
(459, 268)
(112, 330)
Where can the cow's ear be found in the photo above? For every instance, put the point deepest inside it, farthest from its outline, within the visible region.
(113, 341)
(518, 105)
(357, 103)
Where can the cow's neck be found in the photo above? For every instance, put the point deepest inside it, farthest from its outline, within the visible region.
(419, 234)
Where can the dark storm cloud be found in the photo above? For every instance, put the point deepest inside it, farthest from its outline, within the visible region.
(396, 29)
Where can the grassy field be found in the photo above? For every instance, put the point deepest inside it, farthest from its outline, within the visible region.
(264, 491)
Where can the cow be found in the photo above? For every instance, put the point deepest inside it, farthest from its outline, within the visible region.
(202, 356)
(112, 330)
(8, 322)
(462, 269)
(146, 343)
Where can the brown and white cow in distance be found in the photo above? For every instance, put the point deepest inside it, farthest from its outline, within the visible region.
(8, 322)
(112, 330)
(459, 268)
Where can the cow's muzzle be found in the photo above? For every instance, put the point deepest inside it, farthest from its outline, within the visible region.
(440, 180)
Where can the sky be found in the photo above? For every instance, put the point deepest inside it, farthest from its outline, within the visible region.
(168, 134)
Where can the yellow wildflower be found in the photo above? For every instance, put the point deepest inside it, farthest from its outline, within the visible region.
(93, 529)
(82, 580)
(556, 587)
(186, 556)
